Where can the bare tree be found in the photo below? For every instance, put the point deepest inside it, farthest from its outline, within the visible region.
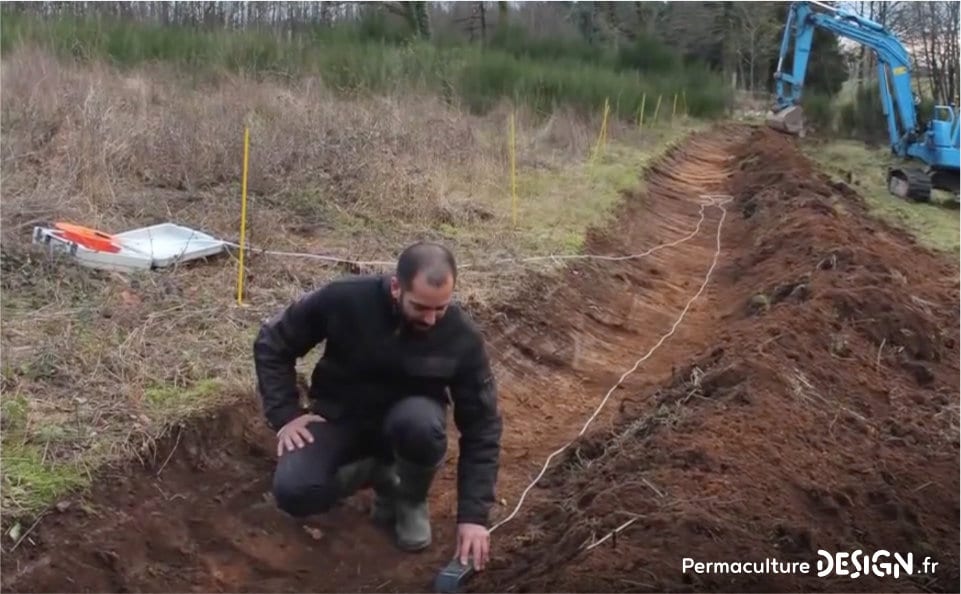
(931, 31)
(754, 37)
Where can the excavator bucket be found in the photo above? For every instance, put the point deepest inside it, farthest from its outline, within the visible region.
(789, 120)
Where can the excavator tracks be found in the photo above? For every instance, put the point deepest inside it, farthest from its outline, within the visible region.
(910, 183)
(947, 180)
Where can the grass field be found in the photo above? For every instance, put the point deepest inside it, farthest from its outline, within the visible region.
(935, 224)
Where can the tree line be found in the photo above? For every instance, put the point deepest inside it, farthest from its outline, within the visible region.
(739, 39)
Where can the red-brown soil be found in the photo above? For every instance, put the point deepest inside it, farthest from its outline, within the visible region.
(823, 415)
(808, 400)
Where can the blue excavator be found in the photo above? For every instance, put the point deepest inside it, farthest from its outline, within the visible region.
(929, 154)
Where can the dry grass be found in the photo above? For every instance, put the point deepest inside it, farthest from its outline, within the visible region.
(97, 365)
(109, 138)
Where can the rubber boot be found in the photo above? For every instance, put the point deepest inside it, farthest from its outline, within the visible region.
(354, 476)
(383, 511)
(385, 495)
(412, 515)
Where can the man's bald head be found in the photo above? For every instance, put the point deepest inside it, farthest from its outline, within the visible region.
(424, 284)
(433, 260)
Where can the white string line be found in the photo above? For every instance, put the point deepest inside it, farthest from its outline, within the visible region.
(709, 272)
(326, 258)
(715, 201)
(648, 252)
(553, 257)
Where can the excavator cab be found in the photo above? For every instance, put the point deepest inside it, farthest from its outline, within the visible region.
(937, 147)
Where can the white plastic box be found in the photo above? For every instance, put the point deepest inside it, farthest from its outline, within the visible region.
(157, 246)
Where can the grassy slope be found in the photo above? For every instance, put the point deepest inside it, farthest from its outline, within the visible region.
(935, 224)
(556, 205)
(88, 376)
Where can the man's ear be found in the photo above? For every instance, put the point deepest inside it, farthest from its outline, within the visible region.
(395, 287)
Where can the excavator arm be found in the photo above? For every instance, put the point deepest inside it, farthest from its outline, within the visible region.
(936, 145)
(896, 95)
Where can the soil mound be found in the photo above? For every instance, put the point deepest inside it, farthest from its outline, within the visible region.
(825, 416)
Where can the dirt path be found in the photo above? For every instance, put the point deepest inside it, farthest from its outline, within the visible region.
(204, 524)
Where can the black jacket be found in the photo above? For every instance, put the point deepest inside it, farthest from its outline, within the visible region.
(370, 360)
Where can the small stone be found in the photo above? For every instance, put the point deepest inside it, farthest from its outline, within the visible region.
(314, 533)
(63, 506)
(759, 303)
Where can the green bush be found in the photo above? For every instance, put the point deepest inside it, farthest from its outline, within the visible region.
(648, 55)
(514, 40)
(819, 112)
(376, 26)
(544, 86)
(370, 56)
(862, 118)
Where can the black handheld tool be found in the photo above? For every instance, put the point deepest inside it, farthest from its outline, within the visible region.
(453, 576)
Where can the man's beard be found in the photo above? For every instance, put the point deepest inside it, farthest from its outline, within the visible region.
(418, 326)
(410, 323)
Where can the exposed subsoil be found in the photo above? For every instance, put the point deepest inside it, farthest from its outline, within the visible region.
(809, 400)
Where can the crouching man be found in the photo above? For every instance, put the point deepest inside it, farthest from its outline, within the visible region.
(397, 352)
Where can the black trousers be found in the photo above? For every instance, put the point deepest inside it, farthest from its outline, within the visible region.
(414, 429)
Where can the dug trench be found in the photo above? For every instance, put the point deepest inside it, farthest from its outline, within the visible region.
(808, 400)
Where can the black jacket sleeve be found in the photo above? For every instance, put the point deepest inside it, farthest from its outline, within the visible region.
(281, 341)
(478, 419)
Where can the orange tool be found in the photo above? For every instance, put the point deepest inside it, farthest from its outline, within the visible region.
(88, 238)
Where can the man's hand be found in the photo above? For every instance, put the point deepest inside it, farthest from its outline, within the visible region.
(295, 434)
(473, 542)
